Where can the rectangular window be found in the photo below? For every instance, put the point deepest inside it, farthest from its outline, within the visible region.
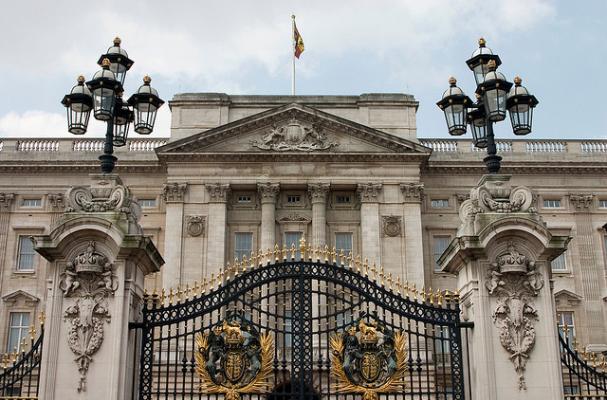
(439, 245)
(293, 238)
(25, 261)
(343, 199)
(343, 241)
(243, 244)
(147, 203)
(552, 203)
(244, 199)
(19, 324)
(293, 198)
(442, 349)
(439, 203)
(559, 264)
(32, 203)
(565, 318)
(602, 203)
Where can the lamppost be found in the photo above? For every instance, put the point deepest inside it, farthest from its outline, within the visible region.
(103, 95)
(494, 96)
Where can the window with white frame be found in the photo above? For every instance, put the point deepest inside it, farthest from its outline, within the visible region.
(602, 203)
(439, 203)
(31, 203)
(293, 199)
(552, 203)
(26, 258)
(559, 264)
(343, 198)
(343, 241)
(439, 245)
(243, 244)
(566, 319)
(18, 329)
(147, 203)
(244, 199)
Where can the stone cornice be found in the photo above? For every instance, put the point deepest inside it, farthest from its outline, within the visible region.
(218, 192)
(268, 192)
(318, 192)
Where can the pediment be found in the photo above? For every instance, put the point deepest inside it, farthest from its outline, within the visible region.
(292, 130)
(17, 295)
(567, 297)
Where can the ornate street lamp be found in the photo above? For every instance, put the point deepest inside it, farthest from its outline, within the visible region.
(103, 95)
(495, 95)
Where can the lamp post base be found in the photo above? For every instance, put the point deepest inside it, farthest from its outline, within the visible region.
(108, 161)
(493, 163)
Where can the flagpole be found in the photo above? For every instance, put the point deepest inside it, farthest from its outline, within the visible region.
(293, 54)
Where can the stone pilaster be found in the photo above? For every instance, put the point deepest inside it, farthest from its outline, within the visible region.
(268, 193)
(57, 206)
(216, 239)
(370, 224)
(174, 195)
(6, 202)
(318, 197)
(413, 194)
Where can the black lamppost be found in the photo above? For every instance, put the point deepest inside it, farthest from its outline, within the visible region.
(103, 95)
(494, 96)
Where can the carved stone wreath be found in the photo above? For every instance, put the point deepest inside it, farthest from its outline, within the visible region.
(392, 225)
(195, 225)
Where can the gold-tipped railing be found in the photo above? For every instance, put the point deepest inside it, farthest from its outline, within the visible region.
(257, 259)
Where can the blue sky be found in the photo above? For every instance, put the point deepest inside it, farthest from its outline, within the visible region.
(353, 47)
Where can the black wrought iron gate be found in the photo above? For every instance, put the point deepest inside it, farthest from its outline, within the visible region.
(295, 328)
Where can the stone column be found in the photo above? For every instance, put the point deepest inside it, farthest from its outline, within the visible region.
(216, 239)
(98, 258)
(318, 196)
(369, 221)
(268, 193)
(413, 194)
(173, 195)
(501, 256)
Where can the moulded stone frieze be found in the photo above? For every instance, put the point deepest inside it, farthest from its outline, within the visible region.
(515, 281)
(318, 192)
(412, 192)
(268, 192)
(6, 200)
(581, 202)
(195, 225)
(218, 192)
(369, 192)
(57, 201)
(392, 225)
(174, 192)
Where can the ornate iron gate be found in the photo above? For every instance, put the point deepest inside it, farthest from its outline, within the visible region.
(288, 325)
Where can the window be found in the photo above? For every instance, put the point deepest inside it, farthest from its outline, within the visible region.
(565, 318)
(568, 389)
(343, 241)
(439, 203)
(244, 199)
(147, 203)
(552, 203)
(343, 199)
(243, 244)
(31, 203)
(293, 199)
(602, 203)
(19, 324)
(559, 264)
(293, 238)
(26, 254)
(439, 245)
(442, 349)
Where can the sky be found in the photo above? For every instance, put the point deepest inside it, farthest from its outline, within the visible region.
(351, 47)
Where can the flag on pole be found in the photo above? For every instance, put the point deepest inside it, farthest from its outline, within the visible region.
(297, 41)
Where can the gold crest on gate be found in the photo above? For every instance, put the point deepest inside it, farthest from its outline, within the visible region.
(233, 358)
(368, 358)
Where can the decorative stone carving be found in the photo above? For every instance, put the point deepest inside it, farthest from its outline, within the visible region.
(56, 200)
(174, 192)
(294, 218)
(581, 202)
(460, 198)
(515, 281)
(6, 199)
(413, 192)
(294, 136)
(369, 192)
(392, 225)
(195, 225)
(218, 192)
(89, 279)
(268, 192)
(318, 192)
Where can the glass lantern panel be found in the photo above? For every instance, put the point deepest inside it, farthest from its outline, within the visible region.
(479, 133)
(520, 118)
(144, 121)
(495, 102)
(104, 100)
(456, 119)
(479, 73)
(77, 121)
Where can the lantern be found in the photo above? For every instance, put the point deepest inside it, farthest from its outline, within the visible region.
(122, 121)
(493, 91)
(104, 87)
(120, 62)
(520, 106)
(478, 63)
(454, 104)
(78, 105)
(145, 104)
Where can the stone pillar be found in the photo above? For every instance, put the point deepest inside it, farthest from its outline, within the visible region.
(98, 258)
(173, 194)
(369, 221)
(318, 197)
(268, 193)
(501, 256)
(218, 217)
(413, 194)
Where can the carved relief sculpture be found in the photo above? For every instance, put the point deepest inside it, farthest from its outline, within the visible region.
(174, 192)
(218, 192)
(392, 225)
(195, 225)
(6, 199)
(413, 192)
(294, 136)
(89, 280)
(369, 192)
(56, 201)
(515, 281)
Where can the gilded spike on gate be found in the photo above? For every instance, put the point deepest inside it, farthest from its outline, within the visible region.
(302, 248)
(244, 263)
(276, 252)
(390, 281)
(285, 252)
(374, 271)
(414, 291)
(236, 267)
(293, 250)
(357, 264)
(326, 253)
(366, 265)
(431, 296)
(171, 296)
(349, 260)
(439, 297)
(381, 275)
(334, 255)
(398, 285)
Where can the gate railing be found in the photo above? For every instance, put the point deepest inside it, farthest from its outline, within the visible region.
(584, 373)
(20, 375)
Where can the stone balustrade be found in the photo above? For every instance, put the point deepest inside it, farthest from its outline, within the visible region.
(519, 146)
(76, 145)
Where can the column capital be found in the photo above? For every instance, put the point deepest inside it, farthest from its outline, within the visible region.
(412, 192)
(369, 192)
(174, 192)
(581, 201)
(268, 192)
(6, 200)
(57, 201)
(318, 192)
(218, 192)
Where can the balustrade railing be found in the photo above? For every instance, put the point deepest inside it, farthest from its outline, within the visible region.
(38, 145)
(594, 146)
(545, 146)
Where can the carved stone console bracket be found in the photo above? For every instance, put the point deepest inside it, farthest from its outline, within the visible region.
(514, 280)
(89, 279)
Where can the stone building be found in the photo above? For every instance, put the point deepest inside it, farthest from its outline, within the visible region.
(242, 173)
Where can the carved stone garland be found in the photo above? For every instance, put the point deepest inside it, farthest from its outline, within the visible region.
(89, 279)
(515, 281)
